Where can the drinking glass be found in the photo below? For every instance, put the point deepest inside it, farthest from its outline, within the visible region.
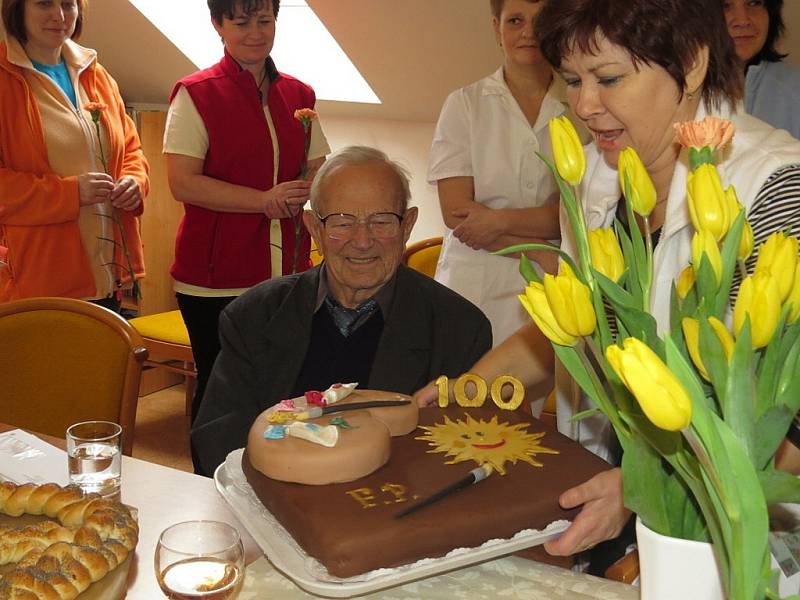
(200, 559)
(94, 451)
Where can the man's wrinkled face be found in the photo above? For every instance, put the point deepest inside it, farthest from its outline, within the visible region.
(361, 255)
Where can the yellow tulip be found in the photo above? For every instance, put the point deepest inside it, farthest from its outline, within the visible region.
(708, 204)
(704, 243)
(793, 300)
(685, 282)
(535, 302)
(642, 191)
(691, 331)
(778, 256)
(571, 303)
(567, 150)
(759, 298)
(606, 253)
(661, 396)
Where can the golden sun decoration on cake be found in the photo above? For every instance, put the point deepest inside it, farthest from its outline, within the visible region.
(485, 442)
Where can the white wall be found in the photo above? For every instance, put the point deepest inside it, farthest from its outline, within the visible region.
(404, 141)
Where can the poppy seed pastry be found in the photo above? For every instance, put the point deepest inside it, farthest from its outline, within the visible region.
(90, 537)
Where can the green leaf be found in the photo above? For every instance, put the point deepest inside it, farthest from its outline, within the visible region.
(528, 271)
(584, 414)
(706, 285)
(738, 402)
(770, 431)
(729, 253)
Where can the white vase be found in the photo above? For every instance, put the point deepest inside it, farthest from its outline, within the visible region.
(671, 568)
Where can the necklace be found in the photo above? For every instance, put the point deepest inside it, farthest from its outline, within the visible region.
(263, 77)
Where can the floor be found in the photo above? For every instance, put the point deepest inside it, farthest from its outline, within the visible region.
(162, 429)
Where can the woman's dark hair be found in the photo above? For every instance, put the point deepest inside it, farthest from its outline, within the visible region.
(667, 33)
(14, 19)
(776, 29)
(496, 6)
(226, 8)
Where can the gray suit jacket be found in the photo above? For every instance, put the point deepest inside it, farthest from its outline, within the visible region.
(264, 336)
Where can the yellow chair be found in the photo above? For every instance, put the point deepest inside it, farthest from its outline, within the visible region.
(423, 255)
(167, 341)
(316, 253)
(65, 361)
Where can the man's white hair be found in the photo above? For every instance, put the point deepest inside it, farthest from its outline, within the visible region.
(358, 155)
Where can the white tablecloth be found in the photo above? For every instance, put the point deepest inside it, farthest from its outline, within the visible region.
(507, 578)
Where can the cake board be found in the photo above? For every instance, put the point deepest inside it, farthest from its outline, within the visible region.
(306, 572)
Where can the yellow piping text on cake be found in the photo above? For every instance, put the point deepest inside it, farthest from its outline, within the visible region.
(391, 493)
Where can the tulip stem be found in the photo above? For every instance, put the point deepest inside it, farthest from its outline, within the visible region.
(648, 281)
(609, 409)
(742, 269)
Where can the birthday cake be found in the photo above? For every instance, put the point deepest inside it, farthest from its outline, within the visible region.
(351, 526)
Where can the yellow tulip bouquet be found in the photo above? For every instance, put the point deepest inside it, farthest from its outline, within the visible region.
(700, 410)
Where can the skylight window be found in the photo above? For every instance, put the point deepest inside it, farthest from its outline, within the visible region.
(303, 46)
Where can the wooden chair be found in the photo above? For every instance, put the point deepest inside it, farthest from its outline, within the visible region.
(423, 255)
(167, 342)
(64, 361)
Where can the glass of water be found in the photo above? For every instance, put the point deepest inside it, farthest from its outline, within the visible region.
(94, 451)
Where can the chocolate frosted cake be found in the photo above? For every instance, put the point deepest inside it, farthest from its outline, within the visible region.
(351, 527)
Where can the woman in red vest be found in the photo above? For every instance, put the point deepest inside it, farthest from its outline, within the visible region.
(235, 155)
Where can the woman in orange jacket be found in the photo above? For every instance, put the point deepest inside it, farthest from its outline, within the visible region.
(72, 173)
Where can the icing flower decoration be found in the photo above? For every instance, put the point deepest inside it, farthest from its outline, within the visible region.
(279, 418)
(341, 423)
(315, 398)
(275, 432)
(285, 406)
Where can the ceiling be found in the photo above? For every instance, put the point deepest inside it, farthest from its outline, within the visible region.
(412, 52)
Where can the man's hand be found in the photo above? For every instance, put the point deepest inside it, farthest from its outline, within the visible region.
(427, 396)
(286, 199)
(602, 517)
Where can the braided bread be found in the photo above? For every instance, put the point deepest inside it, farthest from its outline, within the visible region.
(60, 560)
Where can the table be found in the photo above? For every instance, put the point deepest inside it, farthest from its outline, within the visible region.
(164, 496)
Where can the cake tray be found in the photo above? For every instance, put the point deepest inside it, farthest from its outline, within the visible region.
(308, 573)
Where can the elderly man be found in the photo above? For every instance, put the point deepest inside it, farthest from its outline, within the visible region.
(360, 316)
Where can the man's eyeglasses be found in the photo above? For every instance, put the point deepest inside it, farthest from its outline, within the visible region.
(341, 226)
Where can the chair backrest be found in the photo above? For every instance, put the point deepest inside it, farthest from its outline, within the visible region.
(423, 255)
(315, 253)
(63, 361)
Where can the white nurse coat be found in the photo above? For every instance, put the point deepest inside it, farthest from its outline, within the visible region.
(482, 133)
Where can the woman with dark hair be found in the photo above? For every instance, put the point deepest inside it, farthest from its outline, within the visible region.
(493, 190)
(235, 158)
(631, 74)
(772, 87)
(70, 186)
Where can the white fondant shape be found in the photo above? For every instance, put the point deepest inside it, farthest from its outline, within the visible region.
(324, 436)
